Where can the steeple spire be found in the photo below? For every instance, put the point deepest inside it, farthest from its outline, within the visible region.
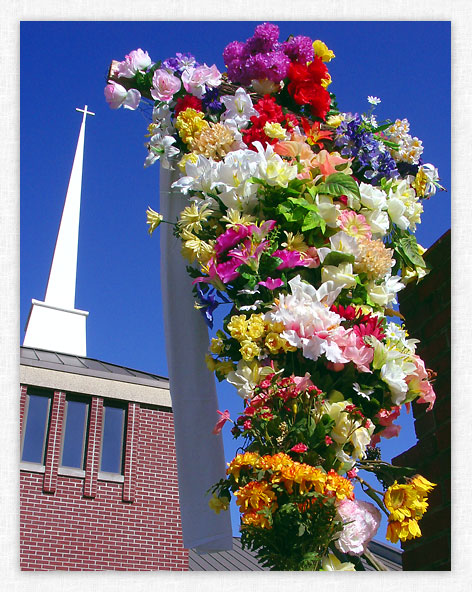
(56, 324)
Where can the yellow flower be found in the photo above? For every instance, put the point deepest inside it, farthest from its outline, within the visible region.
(335, 120)
(295, 242)
(341, 486)
(248, 459)
(405, 530)
(218, 503)
(322, 51)
(213, 141)
(325, 82)
(256, 326)
(190, 156)
(234, 219)
(153, 219)
(210, 362)
(194, 248)
(274, 342)
(237, 327)
(224, 367)
(191, 217)
(190, 123)
(249, 350)
(216, 345)
(253, 518)
(275, 130)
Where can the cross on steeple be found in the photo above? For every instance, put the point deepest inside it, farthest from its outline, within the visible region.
(84, 111)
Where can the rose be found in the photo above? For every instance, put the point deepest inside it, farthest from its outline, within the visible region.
(306, 88)
(197, 79)
(164, 86)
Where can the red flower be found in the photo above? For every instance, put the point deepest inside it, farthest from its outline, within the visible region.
(300, 447)
(186, 102)
(305, 86)
(328, 440)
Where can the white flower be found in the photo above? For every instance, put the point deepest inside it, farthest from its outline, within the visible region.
(342, 275)
(362, 393)
(272, 168)
(384, 293)
(373, 100)
(117, 96)
(239, 108)
(247, 376)
(373, 197)
(332, 563)
(160, 147)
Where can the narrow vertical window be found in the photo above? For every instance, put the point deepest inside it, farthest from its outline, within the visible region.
(75, 433)
(38, 408)
(113, 439)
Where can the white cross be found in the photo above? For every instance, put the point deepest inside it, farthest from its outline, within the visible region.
(84, 111)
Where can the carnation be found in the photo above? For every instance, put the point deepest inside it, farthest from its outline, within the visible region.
(361, 521)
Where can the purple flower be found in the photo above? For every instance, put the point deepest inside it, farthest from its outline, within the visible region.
(210, 100)
(208, 305)
(299, 49)
(181, 62)
(265, 39)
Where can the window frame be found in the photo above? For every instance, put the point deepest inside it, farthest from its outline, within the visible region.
(26, 464)
(107, 475)
(65, 469)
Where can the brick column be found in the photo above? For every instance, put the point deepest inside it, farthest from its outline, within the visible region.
(427, 310)
(131, 451)
(93, 448)
(54, 442)
(23, 390)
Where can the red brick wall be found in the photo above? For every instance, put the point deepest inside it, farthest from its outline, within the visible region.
(427, 310)
(96, 527)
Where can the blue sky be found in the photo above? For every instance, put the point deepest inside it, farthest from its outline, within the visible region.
(406, 64)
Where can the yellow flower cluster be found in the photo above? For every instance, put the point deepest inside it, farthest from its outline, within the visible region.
(406, 503)
(254, 497)
(375, 259)
(214, 141)
(255, 333)
(218, 503)
(190, 123)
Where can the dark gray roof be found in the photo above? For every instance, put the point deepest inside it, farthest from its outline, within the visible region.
(244, 560)
(50, 360)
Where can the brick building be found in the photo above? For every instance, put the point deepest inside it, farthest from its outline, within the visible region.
(426, 307)
(98, 485)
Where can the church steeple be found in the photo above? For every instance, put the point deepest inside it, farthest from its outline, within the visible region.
(56, 324)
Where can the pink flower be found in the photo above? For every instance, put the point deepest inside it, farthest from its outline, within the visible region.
(361, 522)
(196, 79)
(231, 237)
(247, 424)
(289, 258)
(387, 416)
(227, 271)
(271, 283)
(164, 86)
(221, 422)
(328, 440)
(352, 474)
(116, 96)
(303, 382)
(300, 447)
(390, 431)
(135, 61)
(418, 383)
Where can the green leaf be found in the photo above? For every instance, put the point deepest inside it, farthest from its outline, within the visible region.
(313, 220)
(339, 184)
(408, 248)
(337, 257)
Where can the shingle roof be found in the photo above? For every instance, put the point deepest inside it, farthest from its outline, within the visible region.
(40, 358)
(244, 560)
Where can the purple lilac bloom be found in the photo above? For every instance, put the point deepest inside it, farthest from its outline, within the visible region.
(357, 142)
(299, 49)
(210, 99)
(265, 39)
(273, 66)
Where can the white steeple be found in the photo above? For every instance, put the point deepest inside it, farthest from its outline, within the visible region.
(56, 324)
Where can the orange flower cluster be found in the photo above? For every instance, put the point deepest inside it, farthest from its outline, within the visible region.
(281, 468)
